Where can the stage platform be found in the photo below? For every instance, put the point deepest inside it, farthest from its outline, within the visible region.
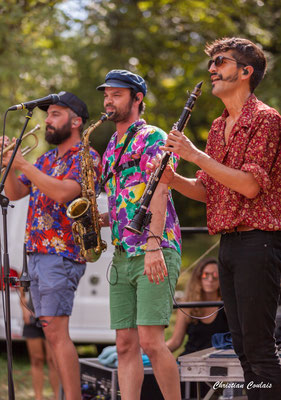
(211, 365)
(220, 368)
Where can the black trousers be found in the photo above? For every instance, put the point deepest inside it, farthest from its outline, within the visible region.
(249, 270)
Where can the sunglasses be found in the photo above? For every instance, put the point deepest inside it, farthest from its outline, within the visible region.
(207, 275)
(219, 60)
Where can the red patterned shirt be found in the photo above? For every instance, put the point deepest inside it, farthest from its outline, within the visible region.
(255, 146)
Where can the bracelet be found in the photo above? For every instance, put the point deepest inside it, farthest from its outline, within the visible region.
(155, 237)
(158, 248)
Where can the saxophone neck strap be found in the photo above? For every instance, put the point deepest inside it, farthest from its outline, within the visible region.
(126, 165)
(116, 167)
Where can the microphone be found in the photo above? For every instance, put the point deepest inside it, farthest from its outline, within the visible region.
(24, 278)
(44, 101)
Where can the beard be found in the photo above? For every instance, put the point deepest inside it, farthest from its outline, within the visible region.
(58, 135)
(122, 115)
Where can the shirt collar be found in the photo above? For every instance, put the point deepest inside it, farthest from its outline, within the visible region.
(247, 112)
(74, 149)
(136, 125)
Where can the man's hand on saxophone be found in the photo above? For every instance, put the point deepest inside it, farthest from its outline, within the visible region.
(104, 220)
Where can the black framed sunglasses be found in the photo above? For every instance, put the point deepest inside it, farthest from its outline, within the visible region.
(218, 61)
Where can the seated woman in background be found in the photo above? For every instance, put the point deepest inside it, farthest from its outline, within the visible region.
(202, 286)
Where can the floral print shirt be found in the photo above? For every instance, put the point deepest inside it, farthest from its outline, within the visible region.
(48, 229)
(255, 146)
(125, 188)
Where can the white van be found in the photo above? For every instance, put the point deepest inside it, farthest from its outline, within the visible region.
(89, 322)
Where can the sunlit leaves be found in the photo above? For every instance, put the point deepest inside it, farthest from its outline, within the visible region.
(47, 46)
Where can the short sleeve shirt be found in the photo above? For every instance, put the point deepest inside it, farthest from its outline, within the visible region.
(254, 146)
(48, 229)
(125, 188)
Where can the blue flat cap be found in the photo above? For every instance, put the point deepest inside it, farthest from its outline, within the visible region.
(124, 79)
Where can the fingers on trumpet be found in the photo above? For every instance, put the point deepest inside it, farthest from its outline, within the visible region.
(8, 147)
(6, 141)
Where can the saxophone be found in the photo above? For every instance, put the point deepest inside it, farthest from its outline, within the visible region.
(84, 210)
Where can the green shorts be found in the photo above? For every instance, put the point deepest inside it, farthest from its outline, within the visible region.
(134, 300)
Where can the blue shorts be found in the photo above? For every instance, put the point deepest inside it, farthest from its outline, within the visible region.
(54, 280)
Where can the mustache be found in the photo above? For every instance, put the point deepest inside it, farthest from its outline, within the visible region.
(110, 106)
(218, 75)
(113, 112)
(231, 78)
(50, 127)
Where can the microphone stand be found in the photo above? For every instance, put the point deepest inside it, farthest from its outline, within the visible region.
(4, 203)
(24, 278)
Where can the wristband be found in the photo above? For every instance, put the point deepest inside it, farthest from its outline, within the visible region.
(155, 237)
(158, 248)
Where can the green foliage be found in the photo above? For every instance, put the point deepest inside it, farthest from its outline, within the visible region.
(48, 46)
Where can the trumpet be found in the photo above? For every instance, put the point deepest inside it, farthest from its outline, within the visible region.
(26, 149)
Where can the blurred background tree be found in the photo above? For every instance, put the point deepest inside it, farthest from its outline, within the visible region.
(48, 46)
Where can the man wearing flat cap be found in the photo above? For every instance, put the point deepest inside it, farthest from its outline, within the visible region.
(145, 267)
(55, 265)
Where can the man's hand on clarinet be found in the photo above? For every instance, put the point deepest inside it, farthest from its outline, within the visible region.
(178, 143)
(168, 174)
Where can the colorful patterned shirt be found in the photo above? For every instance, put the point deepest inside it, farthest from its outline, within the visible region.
(48, 229)
(254, 145)
(124, 189)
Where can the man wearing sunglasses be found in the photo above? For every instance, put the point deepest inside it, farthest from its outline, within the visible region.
(240, 181)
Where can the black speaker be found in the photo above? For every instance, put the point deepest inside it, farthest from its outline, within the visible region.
(101, 382)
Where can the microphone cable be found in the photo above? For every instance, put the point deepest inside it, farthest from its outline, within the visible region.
(171, 290)
(3, 137)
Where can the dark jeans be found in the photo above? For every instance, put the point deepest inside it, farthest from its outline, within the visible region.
(249, 269)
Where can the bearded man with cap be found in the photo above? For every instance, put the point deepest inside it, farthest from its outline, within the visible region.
(145, 267)
(55, 265)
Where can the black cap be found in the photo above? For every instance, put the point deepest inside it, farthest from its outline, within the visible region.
(124, 79)
(71, 101)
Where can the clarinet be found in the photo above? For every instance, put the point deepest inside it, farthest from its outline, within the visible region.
(142, 216)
